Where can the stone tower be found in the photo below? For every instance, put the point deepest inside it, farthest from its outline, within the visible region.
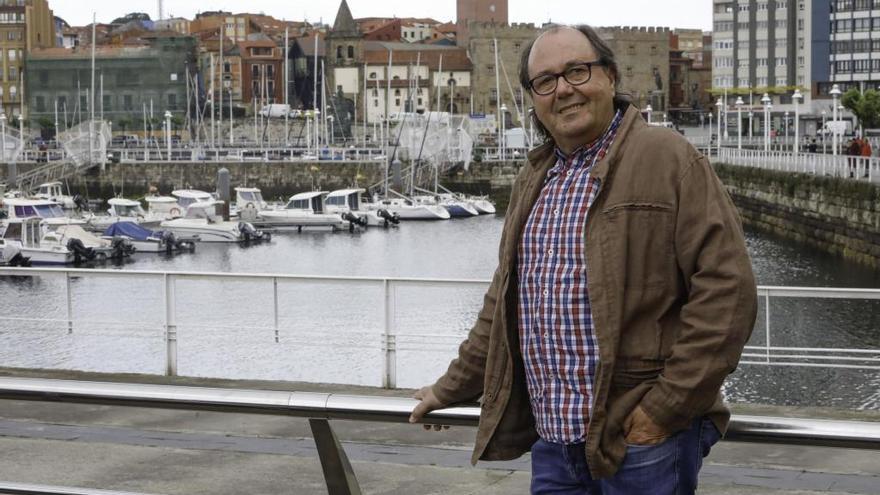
(344, 57)
(345, 43)
(484, 11)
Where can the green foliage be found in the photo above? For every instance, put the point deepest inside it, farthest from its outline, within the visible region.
(45, 123)
(124, 122)
(866, 107)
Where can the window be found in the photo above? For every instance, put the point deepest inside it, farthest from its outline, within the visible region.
(227, 67)
(11, 54)
(13, 73)
(631, 50)
(350, 51)
(338, 52)
(372, 75)
(172, 101)
(40, 103)
(107, 103)
(255, 71)
(375, 93)
(397, 101)
(780, 61)
(270, 71)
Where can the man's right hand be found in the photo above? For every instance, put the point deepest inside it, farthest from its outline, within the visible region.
(428, 403)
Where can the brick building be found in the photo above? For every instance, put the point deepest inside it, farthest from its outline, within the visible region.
(481, 11)
(25, 25)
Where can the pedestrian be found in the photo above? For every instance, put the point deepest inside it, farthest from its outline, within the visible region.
(812, 147)
(622, 299)
(865, 153)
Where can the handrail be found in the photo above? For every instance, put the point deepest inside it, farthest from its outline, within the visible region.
(321, 407)
(744, 428)
(7, 488)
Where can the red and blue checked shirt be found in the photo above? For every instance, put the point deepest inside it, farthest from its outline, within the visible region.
(557, 338)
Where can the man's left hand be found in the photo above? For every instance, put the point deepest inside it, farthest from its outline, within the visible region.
(640, 429)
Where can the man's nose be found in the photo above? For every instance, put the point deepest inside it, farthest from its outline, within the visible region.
(563, 87)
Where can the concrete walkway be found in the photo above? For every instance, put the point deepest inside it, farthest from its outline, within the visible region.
(182, 452)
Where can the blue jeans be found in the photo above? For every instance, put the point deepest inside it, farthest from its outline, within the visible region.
(668, 468)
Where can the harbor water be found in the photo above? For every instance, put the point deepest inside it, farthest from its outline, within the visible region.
(332, 332)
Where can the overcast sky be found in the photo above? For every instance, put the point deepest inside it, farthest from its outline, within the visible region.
(678, 14)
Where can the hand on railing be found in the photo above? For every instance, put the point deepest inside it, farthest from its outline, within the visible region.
(428, 403)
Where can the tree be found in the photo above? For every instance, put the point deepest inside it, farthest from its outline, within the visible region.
(865, 106)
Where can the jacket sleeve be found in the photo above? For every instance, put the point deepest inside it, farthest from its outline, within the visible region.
(464, 379)
(721, 300)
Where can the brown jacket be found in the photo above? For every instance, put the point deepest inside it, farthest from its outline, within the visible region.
(671, 290)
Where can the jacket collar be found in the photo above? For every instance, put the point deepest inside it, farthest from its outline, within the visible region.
(543, 157)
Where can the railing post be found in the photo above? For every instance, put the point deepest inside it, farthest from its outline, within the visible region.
(170, 326)
(338, 474)
(767, 324)
(275, 305)
(389, 344)
(69, 303)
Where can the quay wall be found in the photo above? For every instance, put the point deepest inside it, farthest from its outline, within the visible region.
(839, 216)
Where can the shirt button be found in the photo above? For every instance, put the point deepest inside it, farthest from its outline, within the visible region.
(556, 212)
(546, 292)
(550, 252)
(546, 335)
(569, 173)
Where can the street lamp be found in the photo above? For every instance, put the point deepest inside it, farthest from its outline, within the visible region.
(330, 137)
(317, 115)
(766, 101)
(503, 140)
(168, 133)
(824, 130)
(785, 126)
(648, 109)
(719, 105)
(709, 148)
(835, 93)
(739, 123)
(796, 96)
(3, 134)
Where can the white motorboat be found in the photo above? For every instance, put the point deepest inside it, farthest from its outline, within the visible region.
(407, 209)
(302, 210)
(44, 209)
(247, 198)
(483, 205)
(347, 202)
(10, 254)
(163, 208)
(123, 210)
(54, 192)
(32, 238)
(147, 241)
(115, 248)
(202, 221)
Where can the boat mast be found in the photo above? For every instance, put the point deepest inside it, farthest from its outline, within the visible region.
(92, 91)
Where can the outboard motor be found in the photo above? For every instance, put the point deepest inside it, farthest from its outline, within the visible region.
(80, 251)
(19, 260)
(120, 248)
(250, 233)
(354, 220)
(81, 203)
(170, 241)
(390, 218)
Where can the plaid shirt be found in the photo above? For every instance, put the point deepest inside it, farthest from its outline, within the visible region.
(557, 338)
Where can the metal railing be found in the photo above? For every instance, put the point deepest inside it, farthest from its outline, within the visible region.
(393, 338)
(320, 408)
(846, 167)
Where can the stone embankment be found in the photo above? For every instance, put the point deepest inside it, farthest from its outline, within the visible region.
(839, 216)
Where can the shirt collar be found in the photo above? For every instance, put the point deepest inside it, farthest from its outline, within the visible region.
(589, 149)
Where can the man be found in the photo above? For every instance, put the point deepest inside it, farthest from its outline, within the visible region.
(623, 296)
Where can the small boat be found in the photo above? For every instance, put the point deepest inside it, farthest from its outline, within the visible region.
(202, 221)
(483, 205)
(406, 209)
(34, 241)
(249, 198)
(44, 209)
(163, 208)
(303, 210)
(145, 240)
(116, 248)
(457, 207)
(53, 191)
(10, 254)
(346, 202)
(122, 210)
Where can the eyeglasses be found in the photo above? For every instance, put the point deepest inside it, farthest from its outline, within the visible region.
(574, 75)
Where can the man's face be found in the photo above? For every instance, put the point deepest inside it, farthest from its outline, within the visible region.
(574, 115)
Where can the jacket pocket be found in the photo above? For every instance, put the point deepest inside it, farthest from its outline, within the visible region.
(639, 243)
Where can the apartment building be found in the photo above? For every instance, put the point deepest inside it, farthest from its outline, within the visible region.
(854, 48)
(24, 25)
